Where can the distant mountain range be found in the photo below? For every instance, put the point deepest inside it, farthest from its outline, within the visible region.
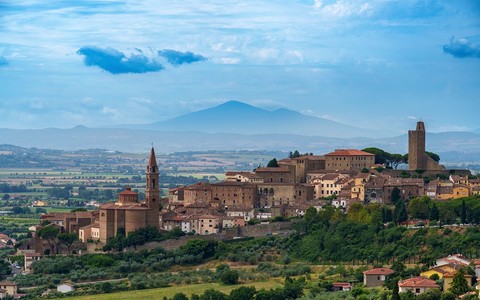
(242, 118)
(238, 126)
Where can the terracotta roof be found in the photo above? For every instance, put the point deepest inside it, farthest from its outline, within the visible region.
(124, 207)
(128, 191)
(477, 262)
(379, 271)
(451, 274)
(346, 284)
(8, 283)
(418, 282)
(272, 170)
(349, 152)
(233, 173)
(330, 176)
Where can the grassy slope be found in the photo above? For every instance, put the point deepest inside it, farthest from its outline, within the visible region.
(169, 292)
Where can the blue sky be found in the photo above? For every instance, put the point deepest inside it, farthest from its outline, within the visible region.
(372, 64)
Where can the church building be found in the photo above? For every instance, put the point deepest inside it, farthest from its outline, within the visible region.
(128, 213)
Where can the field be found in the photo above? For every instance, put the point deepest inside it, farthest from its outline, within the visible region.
(169, 292)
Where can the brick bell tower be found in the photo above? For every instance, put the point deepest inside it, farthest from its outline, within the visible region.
(152, 191)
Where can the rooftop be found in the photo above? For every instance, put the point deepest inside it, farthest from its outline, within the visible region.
(349, 152)
(379, 271)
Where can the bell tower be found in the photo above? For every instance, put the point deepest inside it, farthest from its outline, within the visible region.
(152, 191)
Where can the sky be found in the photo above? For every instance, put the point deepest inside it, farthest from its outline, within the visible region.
(371, 64)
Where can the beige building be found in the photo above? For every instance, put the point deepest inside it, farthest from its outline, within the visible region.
(206, 224)
(233, 194)
(328, 184)
(282, 174)
(302, 165)
(197, 193)
(417, 285)
(7, 288)
(250, 177)
(376, 277)
(349, 159)
(274, 194)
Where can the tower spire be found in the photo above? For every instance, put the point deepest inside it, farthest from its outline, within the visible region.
(152, 161)
(152, 190)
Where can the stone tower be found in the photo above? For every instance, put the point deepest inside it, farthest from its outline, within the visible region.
(152, 191)
(416, 148)
(417, 157)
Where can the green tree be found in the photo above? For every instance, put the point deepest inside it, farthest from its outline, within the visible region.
(243, 293)
(229, 277)
(434, 156)
(459, 283)
(419, 207)
(401, 211)
(293, 288)
(212, 294)
(180, 296)
(273, 163)
(463, 213)
(447, 296)
(434, 213)
(49, 233)
(67, 239)
(273, 294)
(395, 194)
(311, 215)
(295, 154)
(106, 287)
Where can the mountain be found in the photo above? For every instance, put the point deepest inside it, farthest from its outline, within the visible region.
(458, 145)
(242, 118)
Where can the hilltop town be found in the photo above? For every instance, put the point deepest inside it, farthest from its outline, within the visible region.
(273, 200)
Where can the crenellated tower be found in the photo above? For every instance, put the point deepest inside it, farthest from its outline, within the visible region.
(152, 191)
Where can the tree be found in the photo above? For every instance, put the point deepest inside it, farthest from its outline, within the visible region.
(67, 239)
(48, 233)
(293, 288)
(395, 194)
(434, 156)
(420, 207)
(395, 160)
(459, 283)
(311, 215)
(401, 214)
(295, 154)
(434, 213)
(448, 296)
(180, 296)
(463, 213)
(243, 293)
(273, 163)
(229, 277)
(106, 287)
(212, 294)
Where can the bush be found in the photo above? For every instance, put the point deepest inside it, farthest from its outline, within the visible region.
(229, 277)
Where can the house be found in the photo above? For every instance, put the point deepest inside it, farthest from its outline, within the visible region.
(477, 268)
(440, 271)
(349, 159)
(65, 288)
(376, 277)
(448, 280)
(453, 260)
(417, 285)
(342, 286)
(30, 256)
(7, 288)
